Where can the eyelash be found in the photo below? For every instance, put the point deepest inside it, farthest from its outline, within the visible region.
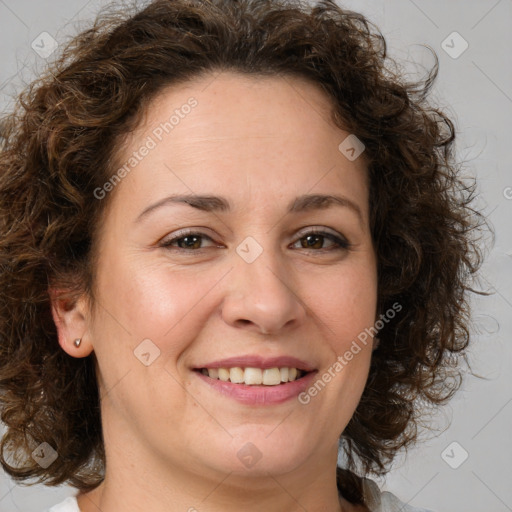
(341, 244)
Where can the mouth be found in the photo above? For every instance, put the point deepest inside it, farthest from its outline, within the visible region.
(253, 376)
(256, 380)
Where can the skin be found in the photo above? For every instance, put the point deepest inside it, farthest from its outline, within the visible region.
(171, 441)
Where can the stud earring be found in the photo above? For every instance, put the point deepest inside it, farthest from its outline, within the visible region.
(77, 342)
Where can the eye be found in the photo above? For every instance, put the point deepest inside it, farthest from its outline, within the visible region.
(313, 239)
(186, 240)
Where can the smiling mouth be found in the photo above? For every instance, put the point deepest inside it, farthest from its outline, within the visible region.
(251, 376)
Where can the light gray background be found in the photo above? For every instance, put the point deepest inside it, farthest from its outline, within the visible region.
(476, 88)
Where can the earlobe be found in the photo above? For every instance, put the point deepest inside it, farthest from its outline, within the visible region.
(70, 317)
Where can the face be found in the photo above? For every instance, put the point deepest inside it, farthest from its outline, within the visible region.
(262, 278)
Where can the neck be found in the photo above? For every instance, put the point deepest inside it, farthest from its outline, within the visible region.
(133, 486)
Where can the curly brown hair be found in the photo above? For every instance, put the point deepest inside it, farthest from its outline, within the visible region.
(60, 145)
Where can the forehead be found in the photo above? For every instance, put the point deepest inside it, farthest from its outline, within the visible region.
(244, 133)
(236, 105)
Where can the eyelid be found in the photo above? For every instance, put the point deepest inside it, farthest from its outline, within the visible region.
(319, 230)
(199, 231)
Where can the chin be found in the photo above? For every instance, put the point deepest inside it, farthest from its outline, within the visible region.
(259, 452)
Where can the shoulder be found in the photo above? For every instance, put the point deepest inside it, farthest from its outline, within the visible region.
(379, 501)
(68, 505)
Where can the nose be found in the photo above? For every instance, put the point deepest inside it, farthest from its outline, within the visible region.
(263, 296)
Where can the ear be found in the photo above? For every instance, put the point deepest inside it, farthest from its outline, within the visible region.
(71, 318)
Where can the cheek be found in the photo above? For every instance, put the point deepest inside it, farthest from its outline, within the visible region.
(345, 303)
(141, 302)
(151, 300)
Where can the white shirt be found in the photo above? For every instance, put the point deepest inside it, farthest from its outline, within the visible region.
(68, 505)
(377, 501)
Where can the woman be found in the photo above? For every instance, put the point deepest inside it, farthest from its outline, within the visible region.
(233, 241)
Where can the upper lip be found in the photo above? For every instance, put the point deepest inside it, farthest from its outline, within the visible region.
(255, 361)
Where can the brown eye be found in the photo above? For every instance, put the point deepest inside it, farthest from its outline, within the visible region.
(188, 241)
(315, 240)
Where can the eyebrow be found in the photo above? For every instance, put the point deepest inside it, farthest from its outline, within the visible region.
(209, 203)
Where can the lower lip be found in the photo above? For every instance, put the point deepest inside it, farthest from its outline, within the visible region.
(260, 395)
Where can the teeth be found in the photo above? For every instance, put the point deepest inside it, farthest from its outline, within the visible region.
(254, 376)
(223, 374)
(236, 375)
(271, 376)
